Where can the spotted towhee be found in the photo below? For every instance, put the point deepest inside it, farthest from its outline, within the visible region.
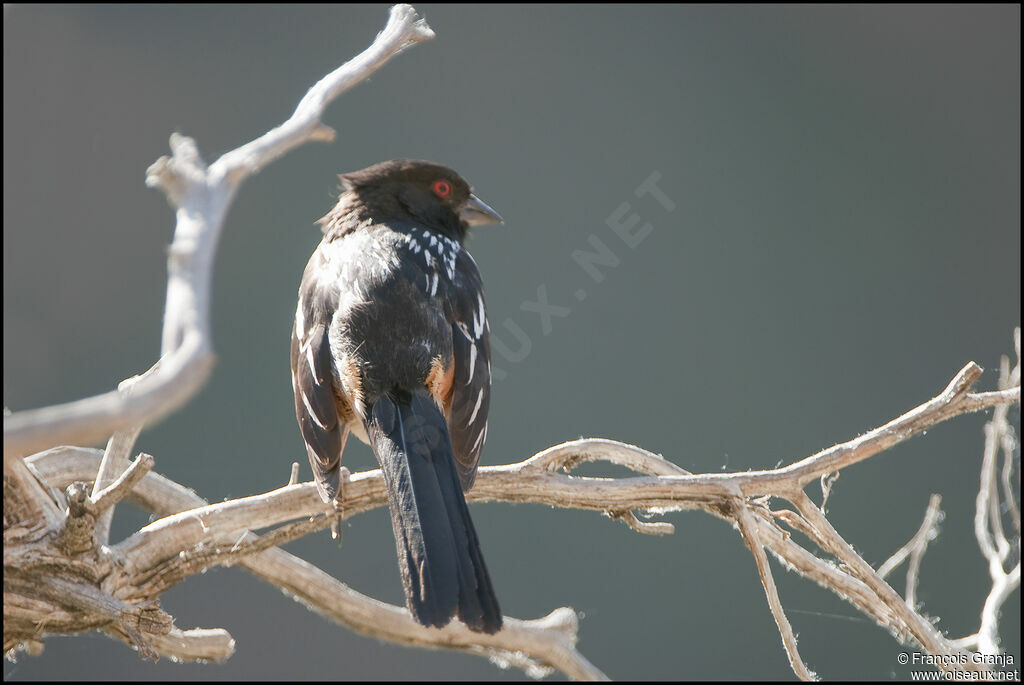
(391, 343)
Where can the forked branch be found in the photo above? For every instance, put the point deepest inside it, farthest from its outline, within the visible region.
(180, 544)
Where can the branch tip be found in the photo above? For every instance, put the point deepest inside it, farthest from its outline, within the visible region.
(405, 15)
(563, 619)
(322, 133)
(963, 381)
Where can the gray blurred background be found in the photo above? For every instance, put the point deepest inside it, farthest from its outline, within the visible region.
(845, 237)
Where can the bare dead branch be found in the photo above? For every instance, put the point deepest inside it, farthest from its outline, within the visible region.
(928, 526)
(195, 645)
(827, 575)
(179, 544)
(27, 500)
(115, 492)
(954, 400)
(115, 461)
(988, 528)
(535, 645)
(646, 527)
(751, 537)
(914, 548)
(171, 548)
(90, 420)
(920, 628)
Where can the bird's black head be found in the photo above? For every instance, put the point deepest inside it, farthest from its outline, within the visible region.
(409, 189)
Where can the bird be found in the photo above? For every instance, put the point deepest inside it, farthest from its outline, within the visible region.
(391, 344)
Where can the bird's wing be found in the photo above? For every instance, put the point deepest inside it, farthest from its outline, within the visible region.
(315, 400)
(471, 384)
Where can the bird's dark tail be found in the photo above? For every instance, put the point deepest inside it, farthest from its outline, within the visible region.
(439, 555)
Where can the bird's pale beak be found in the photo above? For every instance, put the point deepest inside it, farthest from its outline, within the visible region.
(475, 212)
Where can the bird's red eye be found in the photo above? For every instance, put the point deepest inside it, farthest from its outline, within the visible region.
(442, 188)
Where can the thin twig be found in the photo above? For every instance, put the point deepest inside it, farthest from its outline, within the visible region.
(748, 528)
(920, 538)
(646, 527)
(920, 628)
(917, 552)
(115, 461)
(115, 492)
(927, 532)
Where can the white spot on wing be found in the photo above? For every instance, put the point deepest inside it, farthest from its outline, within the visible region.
(479, 439)
(479, 400)
(300, 323)
(311, 362)
(480, 318)
(310, 412)
(472, 364)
